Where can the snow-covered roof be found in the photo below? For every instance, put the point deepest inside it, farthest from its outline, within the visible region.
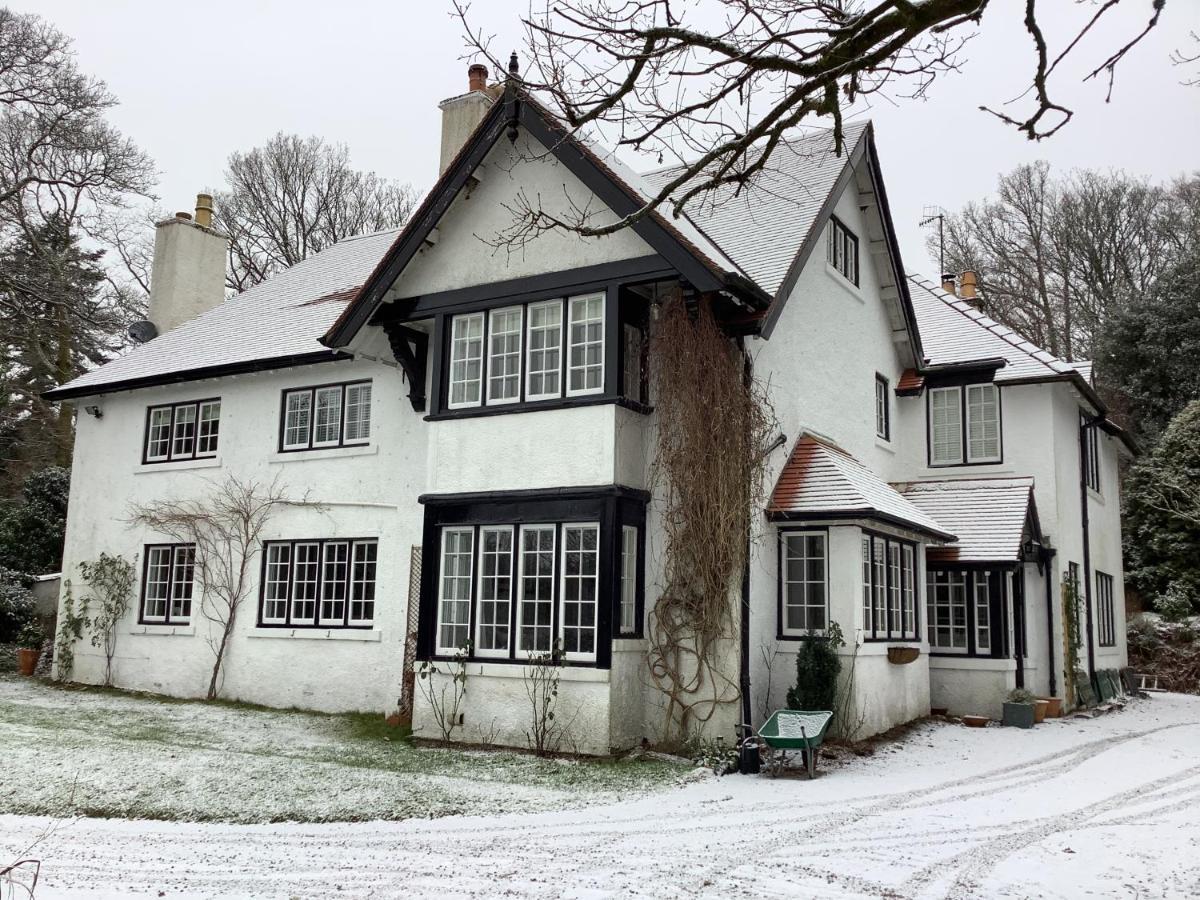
(987, 514)
(953, 331)
(821, 479)
(763, 227)
(282, 318)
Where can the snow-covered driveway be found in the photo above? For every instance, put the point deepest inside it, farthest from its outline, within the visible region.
(1104, 807)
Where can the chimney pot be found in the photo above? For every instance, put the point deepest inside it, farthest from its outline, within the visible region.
(204, 210)
(183, 216)
(968, 285)
(477, 76)
(948, 284)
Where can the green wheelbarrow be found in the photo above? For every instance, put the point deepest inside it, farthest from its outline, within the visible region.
(791, 730)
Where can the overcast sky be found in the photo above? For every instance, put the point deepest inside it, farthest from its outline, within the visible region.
(199, 80)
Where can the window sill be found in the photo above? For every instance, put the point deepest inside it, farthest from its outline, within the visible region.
(207, 462)
(1096, 497)
(885, 445)
(289, 456)
(319, 634)
(516, 669)
(529, 406)
(845, 284)
(163, 629)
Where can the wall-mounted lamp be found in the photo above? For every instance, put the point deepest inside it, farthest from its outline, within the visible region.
(94, 411)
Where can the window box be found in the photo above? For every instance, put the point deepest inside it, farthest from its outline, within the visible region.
(902, 656)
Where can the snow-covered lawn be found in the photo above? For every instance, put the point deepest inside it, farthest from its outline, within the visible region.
(1076, 808)
(69, 751)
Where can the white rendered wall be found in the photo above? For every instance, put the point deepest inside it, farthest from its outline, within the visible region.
(365, 492)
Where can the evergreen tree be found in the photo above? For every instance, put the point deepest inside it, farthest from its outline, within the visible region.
(32, 529)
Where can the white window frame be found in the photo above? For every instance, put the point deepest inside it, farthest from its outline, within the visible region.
(576, 655)
(479, 600)
(273, 568)
(314, 547)
(304, 437)
(493, 358)
(210, 434)
(982, 598)
(335, 391)
(994, 391)
(339, 587)
(956, 407)
(281, 560)
(159, 419)
(461, 353)
(629, 567)
(583, 346)
(895, 601)
(178, 558)
(530, 328)
(908, 576)
(804, 583)
(358, 396)
(288, 443)
(359, 581)
(465, 625)
(519, 599)
(948, 579)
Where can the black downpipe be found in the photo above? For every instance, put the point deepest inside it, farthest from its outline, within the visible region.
(744, 667)
(1087, 543)
(1018, 602)
(1047, 557)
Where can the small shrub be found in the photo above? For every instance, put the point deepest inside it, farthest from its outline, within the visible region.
(1020, 695)
(31, 637)
(1142, 636)
(817, 668)
(1175, 605)
(16, 605)
(712, 754)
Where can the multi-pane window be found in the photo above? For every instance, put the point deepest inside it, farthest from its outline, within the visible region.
(889, 589)
(1105, 610)
(504, 355)
(629, 554)
(182, 431)
(495, 590)
(320, 583)
(952, 443)
(466, 360)
(1090, 442)
(966, 611)
(842, 251)
(527, 589)
(804, 581)
(543, 377)
(883, 414)
(328, 415)
(167, 584)
(632, 368)
(585, 347)
(454, 589)
(580, 590)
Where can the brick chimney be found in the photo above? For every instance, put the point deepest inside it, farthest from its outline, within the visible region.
(968, 285)
(188, 275)
(461, 114)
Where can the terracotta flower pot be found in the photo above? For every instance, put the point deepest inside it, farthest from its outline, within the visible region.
(976, 721)
(1053, 707)
(27, 660)
(1039, 711)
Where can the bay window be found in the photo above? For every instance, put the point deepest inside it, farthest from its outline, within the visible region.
(327, 415)
(318, 583)
(804, 582)
(180, 431)
(964, 425)
(889, 589)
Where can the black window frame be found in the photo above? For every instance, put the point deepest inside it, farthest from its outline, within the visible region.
(873, 634)
(1105, 609)
(840, 233)
(609, 508)
(882, 393)
(311, 390)
(316, 624)
(166, 620)
(998, 609)
(964, 427)
(1090, 442)
(171, 455)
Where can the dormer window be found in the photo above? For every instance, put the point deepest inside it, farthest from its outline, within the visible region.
(964, 425)
(843, 250)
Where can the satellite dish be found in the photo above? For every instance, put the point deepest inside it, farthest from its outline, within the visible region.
(142, 331)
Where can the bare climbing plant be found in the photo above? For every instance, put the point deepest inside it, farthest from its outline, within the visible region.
(109, 581)
(225, 527)
(445, 695)
(713, 423)
(541, 676)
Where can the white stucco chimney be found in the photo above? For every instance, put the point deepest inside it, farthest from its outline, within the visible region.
(188, 275)
(461, 114)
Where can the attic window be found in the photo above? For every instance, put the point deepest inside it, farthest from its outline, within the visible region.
(953, 444)
(843, 250)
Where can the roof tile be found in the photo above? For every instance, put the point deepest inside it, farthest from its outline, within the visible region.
(987, 514)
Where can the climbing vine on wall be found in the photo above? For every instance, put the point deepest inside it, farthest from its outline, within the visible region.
(713, 421)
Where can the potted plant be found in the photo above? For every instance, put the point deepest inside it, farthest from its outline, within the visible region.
(1053, 707)
(1040, 707)
(29, 647)
(1019, 709)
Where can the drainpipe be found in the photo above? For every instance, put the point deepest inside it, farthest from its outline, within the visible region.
(1047, 556)
(1087, 543)
(744, 668)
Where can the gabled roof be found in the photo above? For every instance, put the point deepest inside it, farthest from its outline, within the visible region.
(272, 325)
(989, 515)
(821, 481)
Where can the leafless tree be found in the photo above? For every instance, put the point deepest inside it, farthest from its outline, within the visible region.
(1057, 256)
(294, 197)
(225, 527)
(717, 85)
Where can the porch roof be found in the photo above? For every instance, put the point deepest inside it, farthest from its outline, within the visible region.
(821, 481)
(989, 515)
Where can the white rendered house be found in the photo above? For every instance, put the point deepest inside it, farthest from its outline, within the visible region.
(485, 416)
